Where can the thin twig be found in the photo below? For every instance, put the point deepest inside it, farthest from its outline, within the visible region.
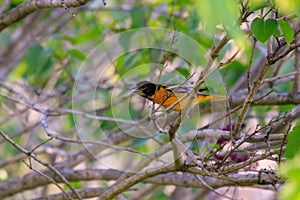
(28, 153)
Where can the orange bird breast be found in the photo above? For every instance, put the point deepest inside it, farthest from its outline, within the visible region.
(167, 98)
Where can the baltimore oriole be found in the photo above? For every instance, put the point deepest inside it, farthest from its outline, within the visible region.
(167, 95)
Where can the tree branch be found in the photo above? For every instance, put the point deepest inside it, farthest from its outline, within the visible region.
(271, 99)
(31, 6)
(184, 180)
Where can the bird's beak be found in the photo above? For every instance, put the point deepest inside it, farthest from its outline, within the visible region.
(133, 90)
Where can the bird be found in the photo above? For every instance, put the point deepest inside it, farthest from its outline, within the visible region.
(167, 95)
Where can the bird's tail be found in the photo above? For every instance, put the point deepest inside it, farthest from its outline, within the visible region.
(218, 97)
(202, 98)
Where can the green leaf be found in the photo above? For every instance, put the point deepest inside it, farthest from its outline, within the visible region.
(287, 30)
(184, 72)
(285, 108)
(216, 12)
(38, 64)
(75, 184)
(290, 171)
(38, 56)
(232, 72)
(129, 61)
(70, 39)
(257, 26)
(293, 144)
(276, 33)
(263, 30)
(258, 4)
(77, 54)
(139, 15)
(193, 21)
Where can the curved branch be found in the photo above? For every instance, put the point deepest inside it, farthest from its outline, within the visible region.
(185, 180)
(31, 6)
(271, 99)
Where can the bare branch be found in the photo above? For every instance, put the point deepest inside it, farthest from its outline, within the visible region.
(249, 99)
(31, 6)
(296, 86)
(48, 165)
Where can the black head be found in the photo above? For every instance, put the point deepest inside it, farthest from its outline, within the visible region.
(146, 88)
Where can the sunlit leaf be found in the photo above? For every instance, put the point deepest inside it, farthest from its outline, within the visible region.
(293, 144)
(258, 4)
(287, 30)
